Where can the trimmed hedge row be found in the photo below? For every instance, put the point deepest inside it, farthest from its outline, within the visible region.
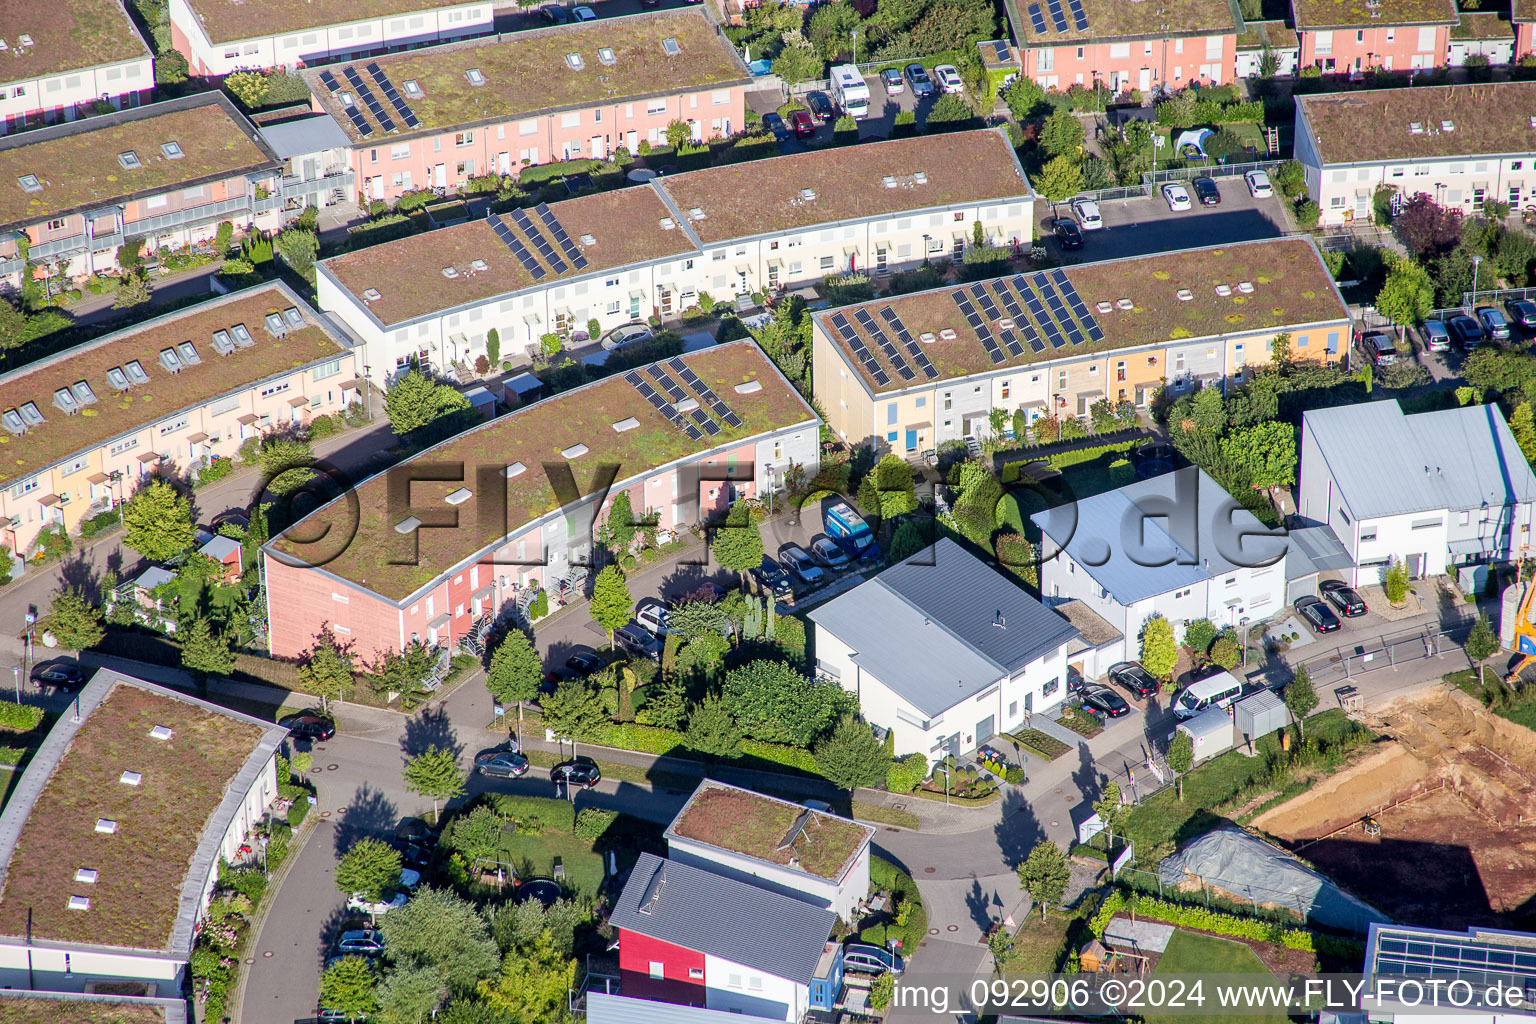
(554, 815)
(1220, 923)
(19, 717)
(650, 739)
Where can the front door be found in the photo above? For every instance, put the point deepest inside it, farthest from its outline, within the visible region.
(985, 729)
(911, 440)
(1146, 79)
(440, 176)
(1415, 566)
(599, 148)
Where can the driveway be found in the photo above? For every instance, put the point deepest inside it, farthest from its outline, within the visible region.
(1145, 225)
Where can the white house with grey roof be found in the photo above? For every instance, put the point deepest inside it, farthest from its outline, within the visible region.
(1434, 490)
(944, 650)
(1176, 545)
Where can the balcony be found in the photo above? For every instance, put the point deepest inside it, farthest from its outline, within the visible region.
(295, 186)
(198, 214)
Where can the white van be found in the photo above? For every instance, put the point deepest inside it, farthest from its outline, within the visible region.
(1215, 691)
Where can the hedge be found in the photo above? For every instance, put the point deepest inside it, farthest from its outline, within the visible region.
(1253, 929)
(1211, 112)
(555, 815)
(650, 739)
(885, 875)
(19, 717)
(592, 822)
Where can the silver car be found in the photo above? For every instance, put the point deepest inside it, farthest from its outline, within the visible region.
(799, 564)
(827, 551)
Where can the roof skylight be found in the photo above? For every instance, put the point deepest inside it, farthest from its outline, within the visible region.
(129, 160)
(172, 150)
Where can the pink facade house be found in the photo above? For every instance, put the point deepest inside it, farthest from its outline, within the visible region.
(446, 114)
(1142, 46)
(1339, 36)
(1523, 14)
(69, 59)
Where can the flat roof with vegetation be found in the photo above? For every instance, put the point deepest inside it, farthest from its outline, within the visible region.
(229, 20)
(1483, 25)
(1377, 125)
(165, 393)
(1123, 19)
(143, 867)
(79, 165)
(67, 35)
(575, 426)
(65, 1009)
(1311, 15)
(1275, 35)
(1290, 287)
(759, 826)
(526, 73)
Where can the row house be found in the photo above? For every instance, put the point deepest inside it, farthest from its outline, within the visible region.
(67, 60)
(166, 173)
(1143, 46)
(89, 425)
(317, 162)
(1482, 34)
(1461, 145)
(221, 36)
(1523, 15)
(441, 116)
(1275, 38)
(1390, 34)
(430, 547)
(654, 250)
(910, 373)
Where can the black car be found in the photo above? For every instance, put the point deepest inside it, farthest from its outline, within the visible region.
(821, 106)
(1133, 677)
(61, 677)
(412, 854)
(1343, 597)
(501, 764)
(578, 772)
(1522, 312)
(308, 725)
(583, 663)
(556, 14)
(773, 578)
(1074, 679)
(1207, 192)
(1466, 331)
(1318, 615)
(1100, 698)
(1068, 234)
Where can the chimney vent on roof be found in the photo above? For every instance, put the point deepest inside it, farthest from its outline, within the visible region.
(697, 213)
(86, 875)
(999, 620)
(106, 826)
(889, 181)
(516, 469)
(919, 177)
(450, 272)
(79, 903)
(161, 732)
(808, 194)
(1246, 287)
(628, 423)
(131, 778)
(1415, 127)
(460, 496)
(371, 295)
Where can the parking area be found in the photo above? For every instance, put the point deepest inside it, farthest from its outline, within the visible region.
(1145, 224)
(883, 108)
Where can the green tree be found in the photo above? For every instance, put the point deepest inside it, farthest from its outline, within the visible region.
(408, 995)
(711, 730)
(442, 931)
(349, 987)
(1407, 296)
(326, 669)
(773, 702)
(402, 671)
(435, 773)
(1266, 452)
(1481, 644)
(493, 347)
(1396, 582)
(1159, 653)
(74, 621)
(1060, 179)
(249, 87)
(575, 710)
(133, 289)
(1199, 634)
(157, 521)
(1025, 98)
(949, 112)
(798, 63)
(298, 248)
(893, 484)
(1225, 652)
(621, 523)
(534, 985)
(1300, 697)
(476, 834)
(737, 543)
(205, 652)
(417, 402)
(1062, 134)
(515, 673)
(171, 68)
(1180, 756)
(1523, 425)
(677, 132)
(370, 868)
(851, 756)
(1109, 808)
(611, 605)
(285, 463)
(1045, 875)
(907, 541)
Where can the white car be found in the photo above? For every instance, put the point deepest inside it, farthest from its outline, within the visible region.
(948, 77)
(1087, 213)
(1176, 195)
(583, 14)
(361, 903)
(625, 335)
(1258, 184)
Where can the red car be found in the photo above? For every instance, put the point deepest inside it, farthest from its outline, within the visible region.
(801, 122)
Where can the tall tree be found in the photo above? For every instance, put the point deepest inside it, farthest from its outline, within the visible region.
(851, 756)
(621, 523)
(515, 673)
(1408, 295)
(1045, 875)
(1060, 179)
(737, 543)
(1062, 133)
(534, 985)
(442, 931)
(369, 868)
(774, 702)
(157, 521)
(74, 621)
(1180, 756)
(1266, 452)
(1300, 697)
(612, 606)
(326, 671)
(711, 730)
(435, 773)
(285, 462)
(1159, 653)
(205, 652)
(416, 401)
(574, 711)
(348, 987)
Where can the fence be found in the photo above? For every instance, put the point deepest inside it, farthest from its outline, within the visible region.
(1493, 296)
(1389, 650)
(1289, 908)
(1150, 178)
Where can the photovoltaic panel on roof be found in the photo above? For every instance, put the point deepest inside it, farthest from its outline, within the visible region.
(1079, 307)
(1058, 16)
(1037, 310)
(1011, 342)
(561, 237)
(706, 395)
(919, 357)
(364, 129)
(1079, 16)
(1009, 303)
(1036, 18)
(1058, 309)
(353, 77)
(673, 389)
(710, 426)
(329, 81)
(984, 300)
(886, 345)
(990, 344)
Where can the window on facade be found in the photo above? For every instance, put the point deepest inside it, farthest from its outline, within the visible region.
(1051, 686)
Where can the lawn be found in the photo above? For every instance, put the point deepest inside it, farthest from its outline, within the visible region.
(1192, 954)
(8, 783)
(534, 857)
(1078, 480)
(1040, 947)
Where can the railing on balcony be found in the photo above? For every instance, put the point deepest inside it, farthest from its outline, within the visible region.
(196, 215)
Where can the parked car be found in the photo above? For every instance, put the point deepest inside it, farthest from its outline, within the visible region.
(1493, 322)
(61, 676)
(230, 517)
(1100, 698)
(556, 14)
(821, 106)
(1467, 332)
(1218, 690)
(308, 725)
(1074, 680)
(412, 853)
(653, 615)
(1176, 196)
(1522, 312)
(583, 14)
(628, 334)
(1258, 184)
(1379, 347)
(501, 764)
(922, 85)
(774, 123)
(799, 565)
(361, 942)
(1343, 597)
(773, 578)
(862, 959)
(1087, 213)
(948, 78)
(409, 879)
(1318, 615)
(891, 79)
(1207, 192)
(363, 904)
(830, 554)
(1435, 337)
(576, 772)
(584, 662)
(1133, 677)
(636, 639)
(1068, 234)
(802, 123)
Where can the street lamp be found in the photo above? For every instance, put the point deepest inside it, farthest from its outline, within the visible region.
(26, 649)
(367, 392)
(16, 672)
(768, 480)
(1475, 261)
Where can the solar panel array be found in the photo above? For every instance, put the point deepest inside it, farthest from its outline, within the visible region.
(1024, 327)
(564, 240)
(1079, 16)
(329, 81)
(1036, 18)
(392, 94)
(1058, 15)
(905, 337)
(519, 250)
(661, 405)
(1483, 963)
(886, 345)
(983, 333)
(369, 99)
(1079, 307)
(860, 350)
(545, 246)
(701, 389)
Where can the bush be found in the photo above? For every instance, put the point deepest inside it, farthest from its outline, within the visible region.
(1307, 214)
(298, 812)
(592, 822)
(99, 523)
(19, 717)
(906, 773)
(553, 815)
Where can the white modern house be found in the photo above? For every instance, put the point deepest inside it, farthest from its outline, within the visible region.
(1175, 545)
(944, 650)
(1434, 490)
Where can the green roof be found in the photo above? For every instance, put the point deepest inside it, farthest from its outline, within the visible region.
(1124, 19)
(230, 20)
(1376, 125)
(1311, 15)
(67, 35)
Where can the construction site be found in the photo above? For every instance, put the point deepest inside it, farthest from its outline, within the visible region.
(1437, 824)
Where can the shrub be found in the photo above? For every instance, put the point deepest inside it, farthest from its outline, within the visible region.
(906, 773)
(19, 717)
(553, 815)
(592, 822)
(1307, 214)
(99, 523)
(298, 812)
